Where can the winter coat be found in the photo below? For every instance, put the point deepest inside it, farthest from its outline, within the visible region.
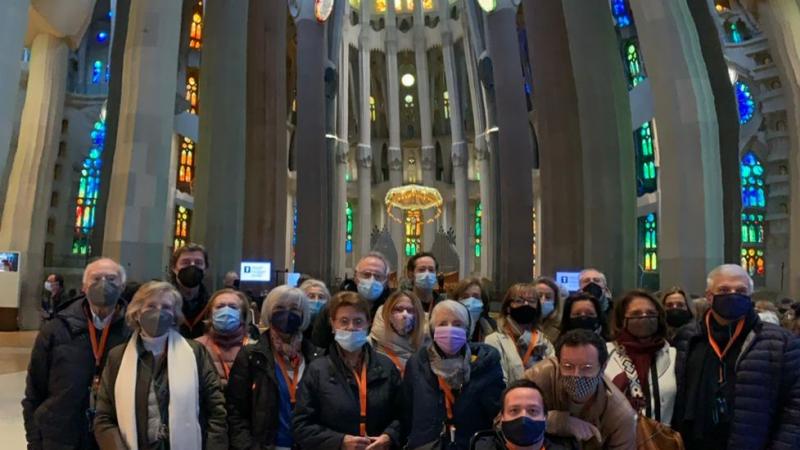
(665, 368)
(194, 312)
(225, 356)
(328, 405)
(766, 410)
(252, 395)
(322, 332)
(475, 407)
(212, 403)
(60, 374)
(610, 411)
(510, 359)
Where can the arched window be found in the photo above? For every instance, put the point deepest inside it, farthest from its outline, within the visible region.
(754, 204)
(97, 72)
(446, 104)
(88, 190)
(348, 220)
(648, 242)
(414, 224)
(373, 112)
(192, 87)
(622, 13)
(185, 165)
(196, 27)
(478, 229)
(752, 173)
(744, 98)
(646, 181)
(634, 68)
(183, 224)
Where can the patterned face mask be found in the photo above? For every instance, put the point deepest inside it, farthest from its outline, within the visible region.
(579, 388)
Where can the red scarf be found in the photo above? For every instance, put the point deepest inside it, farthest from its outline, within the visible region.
(641, 354)
(227, 341)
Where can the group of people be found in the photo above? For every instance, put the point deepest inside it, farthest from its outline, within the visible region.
(371, 368)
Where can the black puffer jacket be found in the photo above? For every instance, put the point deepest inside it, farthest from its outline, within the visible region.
(252, 395)
(322, 332)
(59, 376)
(328, 402)
(766, 410)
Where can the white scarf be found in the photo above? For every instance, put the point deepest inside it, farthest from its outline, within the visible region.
(184, 404)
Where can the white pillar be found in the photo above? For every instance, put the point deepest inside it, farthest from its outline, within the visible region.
(364, 156)
(342, 152)
(395, 153)
(136, 217)
(428, 151)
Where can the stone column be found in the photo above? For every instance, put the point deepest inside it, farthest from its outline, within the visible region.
(137, 216)
(688, 133)
(12, 31)
(395, 153)
(218, 217)
(266, 171)
(459, 153)
(364, 155)
(52, 29)
(342, 153)
(515, 151)
(428, 151)
(780, 21)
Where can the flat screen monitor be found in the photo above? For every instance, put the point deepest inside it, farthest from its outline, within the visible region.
(9, 261)
(570, 280)
(256, 271)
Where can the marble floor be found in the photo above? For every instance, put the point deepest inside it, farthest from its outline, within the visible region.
(15, 350)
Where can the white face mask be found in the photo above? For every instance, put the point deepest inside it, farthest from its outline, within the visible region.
(48, 286)
(351, 340)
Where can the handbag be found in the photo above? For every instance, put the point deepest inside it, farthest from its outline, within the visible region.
(651, 434)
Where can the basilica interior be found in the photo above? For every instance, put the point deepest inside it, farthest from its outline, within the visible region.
(512, 138)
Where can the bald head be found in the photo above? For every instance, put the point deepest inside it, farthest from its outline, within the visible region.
(103, 268)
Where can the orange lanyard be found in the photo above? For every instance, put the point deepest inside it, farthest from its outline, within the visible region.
(449, 401)
(715, 346)
(362, 397)
(226, 368)
(292, 384)
(98, 349)
(198, 317)
(393, 356)
(531, 346)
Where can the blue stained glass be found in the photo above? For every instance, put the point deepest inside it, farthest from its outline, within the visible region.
(102, 37)
(744, 98)
(97, 71)
(753, 195)
(88, 190)
(622, 13)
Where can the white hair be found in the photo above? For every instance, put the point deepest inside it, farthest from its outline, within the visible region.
(453, 307)
(120, 270)
(312, 283)
(376, 255)
(602, 275)
(730, 271)
(286, 295)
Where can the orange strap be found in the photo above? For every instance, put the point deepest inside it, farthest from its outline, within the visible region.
(362, 397)
(226, 368)
(291, 383)
(98, 348)
(198, 317)
(531, 346)
(449, 401)
(393, 356)
(715, 346)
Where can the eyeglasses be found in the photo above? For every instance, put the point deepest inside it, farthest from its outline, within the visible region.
(583, 370)
(345, 322)
(377, 276)
(524, 301)
(108, 277)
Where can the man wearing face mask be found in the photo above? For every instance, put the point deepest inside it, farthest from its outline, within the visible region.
(738, 378)
(68, 358)
(187, 270)
(581, 402)
(593, 282)
(53, 295)
(421, 272)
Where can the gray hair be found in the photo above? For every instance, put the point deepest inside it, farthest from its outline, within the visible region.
(730, 271)
(145, 293)
(312, 283)
(120, 270)
(602, 275)
(283, 295)
(376, 255)
(452, 307)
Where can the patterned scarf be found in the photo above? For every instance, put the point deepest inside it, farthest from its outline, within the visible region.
(289, 350)
(455, 370)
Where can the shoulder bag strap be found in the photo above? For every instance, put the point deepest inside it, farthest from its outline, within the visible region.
(630, 371)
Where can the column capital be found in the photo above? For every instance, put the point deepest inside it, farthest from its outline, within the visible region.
(364, 156)
(459, 154)
(342, 152)
(395, 156)
(64, 20)
(428, 157)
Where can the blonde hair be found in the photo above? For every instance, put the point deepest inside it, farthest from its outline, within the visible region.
(145, 293)
(418, 334)
(286, 294)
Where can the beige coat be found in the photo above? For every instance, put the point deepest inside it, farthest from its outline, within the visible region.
(610, 411)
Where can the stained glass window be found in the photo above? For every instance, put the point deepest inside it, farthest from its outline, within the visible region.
(753, 261)
(183, 224)
(752, 174)
(88, 189)
(533, 246)
(622, 13)
(744, 98)
(446, 104)
(478, 229)
(97, 72)
(733, 33)
(196, 27)
(185, 165)
(192, 86)
(648, 241)
(752, 228)
(634, 68)
(414, 224)
(294, 231)
(399, 5)
(348, 223)
(373, 112)
(646, 180)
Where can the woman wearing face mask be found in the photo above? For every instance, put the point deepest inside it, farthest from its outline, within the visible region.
(405, 332)
(159, 390)
(678, 310)
(519, 340)
(261, 394)
(470, 293)
(452, 388)
(550, 301)
(318, 296)
(580, 312)
(640, 329)
(226, 331)
(350, 398)
(421, 271)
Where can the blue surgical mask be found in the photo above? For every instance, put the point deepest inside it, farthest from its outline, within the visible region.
(474, 305)
(316, 306)
(548, 306)
(370, 289)
(351, 340)
(226, 319)
(425, 280)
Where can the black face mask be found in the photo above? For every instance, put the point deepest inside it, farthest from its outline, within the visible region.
(583, 323)
(524, 315)
(597, 292)
(732, 306)
(190, 276)
(523, 431)
(677, 318)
